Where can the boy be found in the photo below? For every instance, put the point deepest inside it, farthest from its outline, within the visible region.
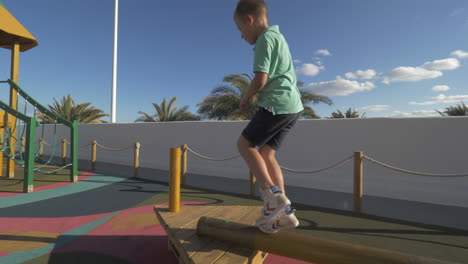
(280, 106)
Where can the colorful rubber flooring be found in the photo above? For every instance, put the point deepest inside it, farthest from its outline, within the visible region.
(110, 219)
(100, 219)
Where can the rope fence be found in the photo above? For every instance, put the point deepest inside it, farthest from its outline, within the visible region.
(358, 157)
(413, 172)
(94, 144)
(212, 159)
(321, 170)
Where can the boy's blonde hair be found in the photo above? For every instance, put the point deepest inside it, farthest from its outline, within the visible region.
(256, 8)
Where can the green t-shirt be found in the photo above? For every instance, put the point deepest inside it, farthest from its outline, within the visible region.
(272, 56)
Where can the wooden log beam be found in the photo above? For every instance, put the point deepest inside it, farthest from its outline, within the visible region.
(300, 246)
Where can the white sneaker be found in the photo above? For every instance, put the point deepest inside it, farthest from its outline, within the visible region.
(286, 221)
(283, 221)
(273, 205)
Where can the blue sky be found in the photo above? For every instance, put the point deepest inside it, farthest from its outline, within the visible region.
(385, 58)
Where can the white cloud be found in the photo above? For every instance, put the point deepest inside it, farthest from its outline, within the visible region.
(340, 87)
(297, 61)
(460, 54)
(360, 74)
(457, 11)
(309, 69)
(440, 88)
(409, 74)
(417, 113)
(440, 65)
(443, 99)
(374, 108)
(323, 52)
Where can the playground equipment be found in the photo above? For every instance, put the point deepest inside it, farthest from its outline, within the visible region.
(15, 37)
(18, 39)
(300, 246)
(31, 124)
(197, 234)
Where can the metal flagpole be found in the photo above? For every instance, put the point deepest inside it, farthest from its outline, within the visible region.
(114, 64)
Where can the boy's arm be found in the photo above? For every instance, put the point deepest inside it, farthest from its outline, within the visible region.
(256, 85)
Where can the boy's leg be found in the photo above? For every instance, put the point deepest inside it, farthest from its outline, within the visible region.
(255, 162)
(286, 219)
(274, 201)
(274, 169)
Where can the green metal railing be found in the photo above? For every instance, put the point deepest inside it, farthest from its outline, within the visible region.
(31, 126)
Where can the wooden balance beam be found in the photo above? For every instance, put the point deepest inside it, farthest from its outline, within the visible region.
(299, 246)
(192, 249)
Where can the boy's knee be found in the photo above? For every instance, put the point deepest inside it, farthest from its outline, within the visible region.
(267, 152)
(243, 144)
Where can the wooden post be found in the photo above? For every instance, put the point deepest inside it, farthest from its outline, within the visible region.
(136, 159)
(174, 181)
(93, 155)
(41, 147)
(358, 171)
(64, 151)
(2, 145)
(74, 151)
(183, 164)
(15, 52)
(300, 246)
(252, 181)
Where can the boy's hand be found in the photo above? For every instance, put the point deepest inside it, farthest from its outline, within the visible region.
(256, 85)
(243, 104)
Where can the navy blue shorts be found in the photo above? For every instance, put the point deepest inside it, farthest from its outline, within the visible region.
(266, 128)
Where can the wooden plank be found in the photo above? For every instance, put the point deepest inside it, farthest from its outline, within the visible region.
(213, 250)
(191, 249)
(239, 255)
(187, 214)
(192, 243)
(186, 210)
(169, 220)
(243, 255)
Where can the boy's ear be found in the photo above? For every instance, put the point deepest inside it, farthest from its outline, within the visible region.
(250, 20)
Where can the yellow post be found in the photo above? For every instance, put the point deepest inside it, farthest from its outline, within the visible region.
(93, 155)
(64, 151)
(15, 51)
(2, 145)
(252, 181)
(136, 159)
(41, 147)
(184, 164)
(23, 144)
(358, 169)
(174, 181)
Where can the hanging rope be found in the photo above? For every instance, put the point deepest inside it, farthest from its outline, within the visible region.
(53, 150)
(212, 159)
(19, 128)
(110, 149)
(413, 172)
(321, 170)
(53, 171)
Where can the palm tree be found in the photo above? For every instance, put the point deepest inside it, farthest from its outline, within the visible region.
(167, 112)
(68, 109)
(350, 113)
(310, 98)
(458, 110)
(223, 101)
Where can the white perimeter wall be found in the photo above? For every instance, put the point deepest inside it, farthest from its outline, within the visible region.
(432, 145)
